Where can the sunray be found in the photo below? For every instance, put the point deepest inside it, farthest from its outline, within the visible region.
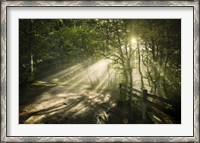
(85, 75)
(64, 72)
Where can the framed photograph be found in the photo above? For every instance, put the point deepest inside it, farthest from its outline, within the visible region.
(100, 71)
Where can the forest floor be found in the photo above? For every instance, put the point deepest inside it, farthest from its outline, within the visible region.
(76, 95)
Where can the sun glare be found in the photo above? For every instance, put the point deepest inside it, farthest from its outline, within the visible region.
(133, 40)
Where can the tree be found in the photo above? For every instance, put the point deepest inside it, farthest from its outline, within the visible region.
(161, 55)
(56, 44)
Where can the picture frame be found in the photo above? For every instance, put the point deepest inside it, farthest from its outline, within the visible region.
(5, 5)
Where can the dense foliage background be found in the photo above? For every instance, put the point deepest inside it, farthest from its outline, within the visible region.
(150, 46)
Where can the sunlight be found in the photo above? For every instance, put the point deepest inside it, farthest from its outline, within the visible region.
(134, 41)
(98, 75)
(93, 73)
(65, 72)
(74, 75)
(34, 119)
(61, 95)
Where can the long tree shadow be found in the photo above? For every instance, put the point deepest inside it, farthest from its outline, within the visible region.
(77, 100)
(52, 113)
(79, 110)
(83, 108)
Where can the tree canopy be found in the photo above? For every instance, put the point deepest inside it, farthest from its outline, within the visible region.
(151, 46)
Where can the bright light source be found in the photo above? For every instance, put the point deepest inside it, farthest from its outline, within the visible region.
(133, 40)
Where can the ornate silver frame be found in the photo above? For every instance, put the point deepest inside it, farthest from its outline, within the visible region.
(5, 4)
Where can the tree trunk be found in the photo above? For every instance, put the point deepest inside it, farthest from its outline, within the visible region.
(30, 38)
(139, 67)
(122, 59)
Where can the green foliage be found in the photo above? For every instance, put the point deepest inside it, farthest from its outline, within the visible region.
(54, 44)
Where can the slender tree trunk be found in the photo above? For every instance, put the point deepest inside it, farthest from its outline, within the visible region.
(129, 67)
(122, 59)
(32, 70)
(129, 58)
(164, 78)
(130, 70)
(139, 67)
(30, 38)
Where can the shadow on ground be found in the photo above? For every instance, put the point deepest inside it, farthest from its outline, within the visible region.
(76, 95)
(75, 107)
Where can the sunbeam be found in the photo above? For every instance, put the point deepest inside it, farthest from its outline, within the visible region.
(89, 82)
(77, 70)
(66, 72)
(89, 75)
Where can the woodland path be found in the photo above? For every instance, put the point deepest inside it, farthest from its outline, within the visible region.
(75, 96)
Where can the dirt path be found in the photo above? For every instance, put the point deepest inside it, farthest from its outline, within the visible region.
(69, 98)
(57, 106)
(76, 95)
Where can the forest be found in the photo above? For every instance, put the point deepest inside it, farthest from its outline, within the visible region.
(99, 71)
